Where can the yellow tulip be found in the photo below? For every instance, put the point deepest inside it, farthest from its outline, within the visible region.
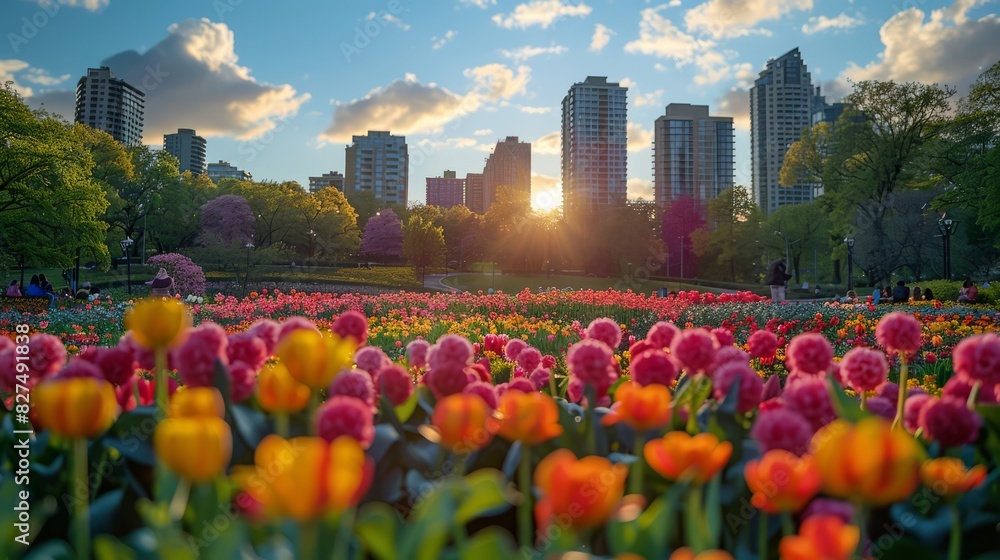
(314, 359)
(197, 448)
(158, 323)
(278, 391)
(189, 402)
(75, 407)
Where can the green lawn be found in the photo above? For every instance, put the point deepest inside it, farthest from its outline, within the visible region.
(513, 283)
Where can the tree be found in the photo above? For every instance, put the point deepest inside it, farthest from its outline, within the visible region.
(682, 217)
(177, 222)
(279, 209)
(727, 242)
(462, 235)
(383, 236)
(423, 242)
(50, 205)
(807, 228)
(503, 225)
(333, 223)
(227, 220)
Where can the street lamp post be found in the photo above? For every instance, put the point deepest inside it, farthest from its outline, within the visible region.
(850, 262)
(947, 227)
(126, 246)
(246, 278)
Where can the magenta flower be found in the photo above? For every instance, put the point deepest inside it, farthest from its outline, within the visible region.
(529, 359)
(354, 383)
(346, 416)
(416, 353)
(352, 324)
(809, 353)
(782, 428)
(197, 356)
(268, 331)
(247, 348)
(763, 344)
(46, 355)
(723, 336)
(694, 350)
(977, 358)
(76, 367)
(242, 380)
(590, 361)
(662, 334)
(810, 397)
(514, 348)
(864, 369)
(898, 332)
(751, 385)
(396, 384)
(912, 409)
(484, 390)
(371, 359)
(950, 422)
(606, 330)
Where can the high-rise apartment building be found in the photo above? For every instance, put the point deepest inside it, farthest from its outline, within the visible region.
(445, 191)
(594, 147)
(781, 106)
(224, 170)
(188, 148)
(377, 163)
(509, 165)
(332, 179)
(474, 192)
(692, 154)
(110, 104)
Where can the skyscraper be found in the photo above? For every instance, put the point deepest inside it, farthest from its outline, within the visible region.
(110, 104)
(594, 146)
(225, 170)
(474, 192)
(377, 163)
(781, 105)
(188, 148)
(332, 179)
(445, 191)
(692, 154)
(509, 165)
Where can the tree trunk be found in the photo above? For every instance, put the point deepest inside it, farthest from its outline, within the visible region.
(836, 271)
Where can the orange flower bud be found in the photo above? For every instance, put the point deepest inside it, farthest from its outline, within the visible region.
(581, 492)
(679, 456)
(197, 448)
(530, 418)
(278, 391)
(685, 553)
(781, 481)
(314, 359)
(821, 536)
(948, 477)
(192, 402)
(460, 420)
(75, 407)
(868, 461)
(640, 407)
(158, 323)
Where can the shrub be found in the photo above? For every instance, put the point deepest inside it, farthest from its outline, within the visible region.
(188, 277)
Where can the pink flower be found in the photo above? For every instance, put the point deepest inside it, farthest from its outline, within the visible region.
(772, 389)
(898, 332)
(242, 380)
(726, 355)
(494, 343)
(889, 390)
(694, 350)
(977, 358)
(478, 372)
(540, 378)
(352, 324)
(247, 348)
(371, 359)
(416, 353)
(809, 353)
(514, 348)
(912, 408)
(46, 355)
(864, 369)
(396, 384)
(950, 422)
(590, 361)
(521, 384)
(881, 406)
(267, 331)
(575, 393)
(548, 361)
(782, 428)
(294, 324)
(652, 366)
(606, 330)
(6, 343)
(116, 363)
(529, 359)
(640, 347)
(450, 352)
(196, 357)
(8, 373)
(961, 388)
(810, 397)
(723, 336)
(76, 367)
(751, 385)
(354, 383)
(445, 381)
(662, 334)
(346, 416)
(484, 390)
(763, 344)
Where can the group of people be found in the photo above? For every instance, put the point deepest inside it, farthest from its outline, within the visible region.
(39, 286)
(901, 294)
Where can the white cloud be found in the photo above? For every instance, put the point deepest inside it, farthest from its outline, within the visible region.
(542, 13)
(735, 103)
(524, 53)
(7, 70)
(388, 18)
(498, 81)
(450, 143)
(674, 3)
(197, 61)
(534, 110)
(483, 4)
(648, 99)
(43, 78)
(550, 143)
(627, 82)
(659, 67)
(600, 38)
(658, 36)
(947, 48)
(438, 43)
(639, 188)
(638, 137)
(92, 5)
(735, 18)
(822, 23)
(483, 132)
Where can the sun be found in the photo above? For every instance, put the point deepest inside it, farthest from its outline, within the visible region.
(547, 199)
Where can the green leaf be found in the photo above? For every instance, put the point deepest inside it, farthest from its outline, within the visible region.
(52, 550)
(713, 508)
(485, 491)
(107, 547)
(405, 410)
(378, 527)
(847, 408)
(492, 543)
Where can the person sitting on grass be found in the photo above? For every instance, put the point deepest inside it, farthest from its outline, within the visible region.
(84, 292)
(901, 294)
(161, 285)
(14, 290)
(928, 294)
(969, 292)
(917, 296)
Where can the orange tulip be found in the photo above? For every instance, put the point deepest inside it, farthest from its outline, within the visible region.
(314, 359)
(530, 418)
(868, 461)
(821, 537)
(460, 420)
(579, 493)
(278, 391)
(306, 478)
(685, 553)
(948, 477)
(641, 408)
(781, 481)
(190, 402)
(158, 323)
(680, 456)
(75, 407)
(194, 441)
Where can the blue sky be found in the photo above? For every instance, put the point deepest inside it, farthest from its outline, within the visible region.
(278, 88)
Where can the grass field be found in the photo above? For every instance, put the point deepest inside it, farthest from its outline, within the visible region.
(512, 283)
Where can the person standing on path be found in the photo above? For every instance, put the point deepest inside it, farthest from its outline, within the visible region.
(777, 277)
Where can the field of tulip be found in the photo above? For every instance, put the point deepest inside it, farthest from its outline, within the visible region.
(413, 426)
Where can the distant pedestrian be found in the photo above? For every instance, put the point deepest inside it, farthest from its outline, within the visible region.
(14, 290)
(777, 278)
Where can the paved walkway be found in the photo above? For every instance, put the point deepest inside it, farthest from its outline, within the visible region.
(434, 282)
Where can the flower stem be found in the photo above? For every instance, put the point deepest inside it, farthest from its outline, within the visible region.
(345, 526)
(955, 546)
(161, 382)
(974, 394)
(81, 507)
(901, 401)
(762, 535)
(694, 521)
(281, 424)
(179, 502)
(308, 533)
(524, 532)
(692, 421)
(635, 482)
(859, 520)
(787, 526)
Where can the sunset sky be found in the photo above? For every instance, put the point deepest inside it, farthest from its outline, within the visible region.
(279, 88)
